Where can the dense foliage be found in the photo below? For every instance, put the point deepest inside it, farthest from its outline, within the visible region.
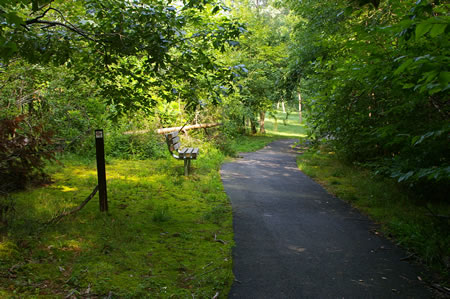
(374, 77)
(118, 65)
(23, 146)
(377, 77)
(374, 73)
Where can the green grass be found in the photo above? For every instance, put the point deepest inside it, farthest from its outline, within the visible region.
(160, 237)
(291, 128)
(402, 216)
(158, 240)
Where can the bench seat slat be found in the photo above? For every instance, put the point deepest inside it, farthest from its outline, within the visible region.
(194, 153)
(188, 152)
(182, 153)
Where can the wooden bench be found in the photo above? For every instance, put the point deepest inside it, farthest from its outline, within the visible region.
(187, 154)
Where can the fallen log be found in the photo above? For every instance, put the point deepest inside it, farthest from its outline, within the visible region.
(173, 129)
(190, 127)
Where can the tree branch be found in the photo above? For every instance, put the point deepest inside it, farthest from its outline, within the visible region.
(59, 217)
(54, 23)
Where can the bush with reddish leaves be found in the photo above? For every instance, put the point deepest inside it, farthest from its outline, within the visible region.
(24, 147)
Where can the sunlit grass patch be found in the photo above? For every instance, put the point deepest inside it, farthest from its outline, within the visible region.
(282, 127)
(401, 215)
(158, 239)
(291, 128)
(251, 143)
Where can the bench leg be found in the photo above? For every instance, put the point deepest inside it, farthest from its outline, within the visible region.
(187, 166)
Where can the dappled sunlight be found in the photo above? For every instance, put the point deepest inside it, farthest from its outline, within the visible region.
(70, 245)
(286, 134)
(132, 249)
(83, 172)
(292, 129)
(7, 249)
(115, 176)
(66, 188)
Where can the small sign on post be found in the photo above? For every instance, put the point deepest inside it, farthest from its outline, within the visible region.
(101, 172)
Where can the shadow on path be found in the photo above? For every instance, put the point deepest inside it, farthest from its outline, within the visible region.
(294, 240)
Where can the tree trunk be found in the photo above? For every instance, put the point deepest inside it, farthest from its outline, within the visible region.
(299, 106)
(262, 115)
(253, 126)
(278, 105)
(284, 108)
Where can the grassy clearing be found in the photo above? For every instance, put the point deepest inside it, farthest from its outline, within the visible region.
(285, 128)
(166, 235)
(402, 216)
(275, 129)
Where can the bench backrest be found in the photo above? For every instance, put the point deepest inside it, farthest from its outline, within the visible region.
(173, 141)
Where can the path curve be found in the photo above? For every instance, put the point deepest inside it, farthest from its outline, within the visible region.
(294, 240)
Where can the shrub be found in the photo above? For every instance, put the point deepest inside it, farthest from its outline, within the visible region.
(24, 147)
(139, 146)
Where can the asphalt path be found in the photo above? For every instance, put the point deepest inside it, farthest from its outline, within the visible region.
(294, 240)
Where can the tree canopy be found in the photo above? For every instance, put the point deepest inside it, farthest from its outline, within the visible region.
(377, 76)
(135, 50)
(373, 74)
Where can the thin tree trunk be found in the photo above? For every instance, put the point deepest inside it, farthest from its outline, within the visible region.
(253, 126)
(284, 108)
(180, 114)
(278, 105)
(299, 106)
(262, 115)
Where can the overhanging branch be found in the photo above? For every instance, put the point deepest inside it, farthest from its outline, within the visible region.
(55, 23)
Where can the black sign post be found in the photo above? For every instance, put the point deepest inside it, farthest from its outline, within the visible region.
(101, 173)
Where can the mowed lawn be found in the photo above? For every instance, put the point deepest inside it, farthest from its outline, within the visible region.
(279, 126)
(276, 128)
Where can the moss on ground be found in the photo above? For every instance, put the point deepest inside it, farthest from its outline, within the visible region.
(166, 235)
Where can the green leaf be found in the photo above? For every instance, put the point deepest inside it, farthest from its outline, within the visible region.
(403, 66)
(422, 29)
(348, 10)
(437, 29)
(13, 18)
(405, 176)
(215, 10)
(444, 78)
(408, 85)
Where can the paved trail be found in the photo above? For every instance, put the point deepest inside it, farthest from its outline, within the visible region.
(294, 240)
